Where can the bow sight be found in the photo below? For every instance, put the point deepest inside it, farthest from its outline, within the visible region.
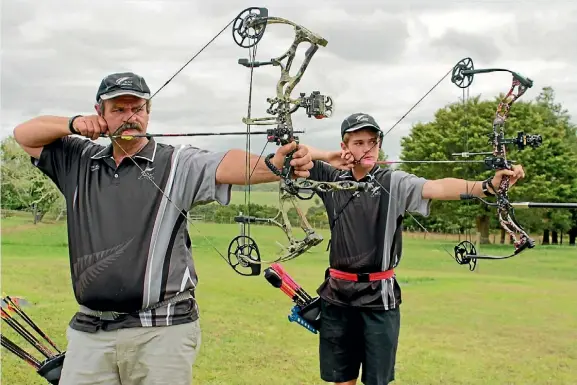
(521, 141)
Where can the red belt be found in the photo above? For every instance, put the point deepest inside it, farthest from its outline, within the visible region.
(361, 277)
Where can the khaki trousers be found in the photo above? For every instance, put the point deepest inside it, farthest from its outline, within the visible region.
(132, 356)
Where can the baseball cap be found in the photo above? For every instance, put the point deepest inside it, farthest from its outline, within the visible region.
(122, 83)
(357, 121)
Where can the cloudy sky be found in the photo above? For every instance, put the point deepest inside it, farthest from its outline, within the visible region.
(381, 57)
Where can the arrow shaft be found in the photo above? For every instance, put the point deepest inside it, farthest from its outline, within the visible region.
(19, 352)
(190, 134)
(428, 161)
(545, 205)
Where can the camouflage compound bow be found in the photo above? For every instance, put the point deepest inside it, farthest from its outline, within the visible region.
(248, 29)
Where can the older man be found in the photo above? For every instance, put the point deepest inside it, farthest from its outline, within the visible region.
(128, 243)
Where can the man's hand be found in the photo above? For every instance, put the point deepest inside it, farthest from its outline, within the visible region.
(514, 175)
(301, 162)
(343, 160)
(90, 126)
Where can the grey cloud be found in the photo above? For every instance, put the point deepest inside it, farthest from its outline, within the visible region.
(360, 36)
(382, 41)
(296, 8)
(555, 37)
(54, 56)
(466, 44)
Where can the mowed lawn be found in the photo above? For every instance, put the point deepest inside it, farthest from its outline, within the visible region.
(509, 322)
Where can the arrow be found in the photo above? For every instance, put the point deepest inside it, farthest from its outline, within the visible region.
(428, 161)
(130, 137)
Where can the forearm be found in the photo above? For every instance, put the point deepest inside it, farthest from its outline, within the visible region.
(40, 131)
(317, 154)
(452, 189)
(233, 169)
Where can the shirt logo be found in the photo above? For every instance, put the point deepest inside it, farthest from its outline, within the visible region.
(95, 167)
(147, 173)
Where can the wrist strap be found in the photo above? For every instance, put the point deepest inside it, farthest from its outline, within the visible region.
(484, 186)
(71, 127)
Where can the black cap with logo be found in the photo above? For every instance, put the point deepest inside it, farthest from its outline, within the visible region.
(122, 83)
(357, 121)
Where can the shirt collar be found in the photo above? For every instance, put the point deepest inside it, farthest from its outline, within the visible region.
(148, 152)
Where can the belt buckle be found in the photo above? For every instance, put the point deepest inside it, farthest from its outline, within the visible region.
(363, 277)
(109, 315)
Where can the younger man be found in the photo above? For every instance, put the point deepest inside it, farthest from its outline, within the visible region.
(360, 297)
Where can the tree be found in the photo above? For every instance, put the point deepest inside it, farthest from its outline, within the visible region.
(24, 187)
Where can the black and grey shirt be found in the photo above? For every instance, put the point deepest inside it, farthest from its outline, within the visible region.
(129, 246)
(366, 233)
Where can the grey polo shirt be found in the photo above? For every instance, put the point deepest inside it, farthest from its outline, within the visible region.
(129, 247)
(366, 233)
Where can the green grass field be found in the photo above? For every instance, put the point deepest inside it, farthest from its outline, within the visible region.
(509, 322)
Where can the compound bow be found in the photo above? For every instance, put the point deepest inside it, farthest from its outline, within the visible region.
(248, 30)
(465, 252)
(462, 76)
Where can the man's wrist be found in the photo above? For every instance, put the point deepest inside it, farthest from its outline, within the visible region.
(71, 125)
(487, 186)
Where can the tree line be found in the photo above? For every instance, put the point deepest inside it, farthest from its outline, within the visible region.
(551, 172)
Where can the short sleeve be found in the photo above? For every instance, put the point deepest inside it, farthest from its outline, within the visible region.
(407, 189)
(57, 158)
(194, 178)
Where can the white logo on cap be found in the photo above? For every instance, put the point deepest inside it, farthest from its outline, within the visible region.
(125, 81)
(362, 118)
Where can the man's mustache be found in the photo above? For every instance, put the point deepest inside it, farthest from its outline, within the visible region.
(128, 126)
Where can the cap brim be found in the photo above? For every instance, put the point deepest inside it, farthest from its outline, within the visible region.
(113, 94)
(362, 125)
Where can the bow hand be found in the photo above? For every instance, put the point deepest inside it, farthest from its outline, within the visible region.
(292, 161)
(514, 174)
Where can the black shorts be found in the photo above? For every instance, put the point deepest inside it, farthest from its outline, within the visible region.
(354, 337)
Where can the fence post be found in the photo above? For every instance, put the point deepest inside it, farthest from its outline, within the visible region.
(241, 230)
